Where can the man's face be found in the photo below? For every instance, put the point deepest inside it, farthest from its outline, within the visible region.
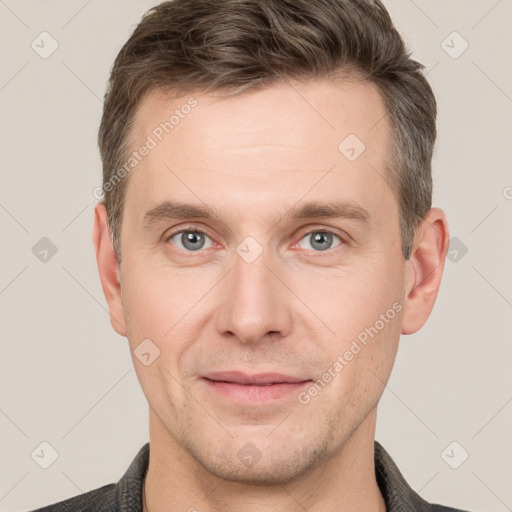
(261, 291)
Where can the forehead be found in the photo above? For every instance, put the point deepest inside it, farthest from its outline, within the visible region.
(261, 145)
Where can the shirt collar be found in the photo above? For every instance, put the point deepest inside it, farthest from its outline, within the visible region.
(397, 493)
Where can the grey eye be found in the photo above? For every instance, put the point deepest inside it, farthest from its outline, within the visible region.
(190, 240)
(320, 240)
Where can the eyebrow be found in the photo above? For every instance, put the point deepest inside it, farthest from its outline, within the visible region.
(172, 210)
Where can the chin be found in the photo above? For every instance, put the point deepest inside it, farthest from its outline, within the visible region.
(273, 465)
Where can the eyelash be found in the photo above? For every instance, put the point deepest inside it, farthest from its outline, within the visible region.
(192, 229)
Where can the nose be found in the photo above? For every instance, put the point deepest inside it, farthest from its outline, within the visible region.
(255, 304)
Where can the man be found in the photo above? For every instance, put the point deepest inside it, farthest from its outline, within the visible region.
(266, 235)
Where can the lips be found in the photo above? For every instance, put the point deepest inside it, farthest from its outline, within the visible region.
(253, 389)
(257, 379)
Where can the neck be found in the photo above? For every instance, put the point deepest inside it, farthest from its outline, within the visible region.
(345, 482)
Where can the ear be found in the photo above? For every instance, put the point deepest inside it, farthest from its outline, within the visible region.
(424, 270)
(108, 268)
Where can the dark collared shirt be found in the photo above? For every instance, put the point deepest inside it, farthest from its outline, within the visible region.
(126, 495)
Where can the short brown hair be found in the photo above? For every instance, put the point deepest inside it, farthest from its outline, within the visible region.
(234, 45)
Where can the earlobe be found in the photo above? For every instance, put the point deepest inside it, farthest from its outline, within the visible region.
(424, 270)
(108, 268)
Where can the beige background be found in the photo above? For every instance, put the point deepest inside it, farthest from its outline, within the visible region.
(66, 377)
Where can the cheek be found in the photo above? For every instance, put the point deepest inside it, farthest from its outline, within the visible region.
(349, 299)
(156, 298)
(362, 308)
(166, 305)
(359, 361)
(157, 307)
(150, 313)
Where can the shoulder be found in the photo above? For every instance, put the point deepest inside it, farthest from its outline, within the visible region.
(397, 493)
(97, 500)
(441, 508)
(123, 496)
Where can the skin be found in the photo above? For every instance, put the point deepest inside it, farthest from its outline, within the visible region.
(293, 310)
